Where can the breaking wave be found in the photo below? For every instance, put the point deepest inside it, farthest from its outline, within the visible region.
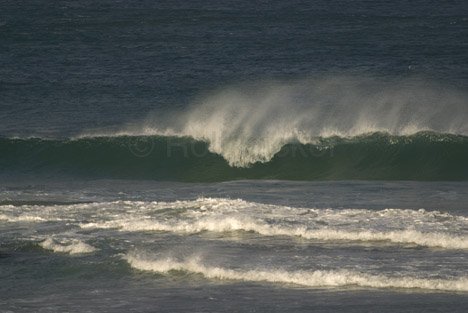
(397, 226)
(377, 156)
(318, 278)
(252, 122)
(232, 224)
(324, 128)
(70, 246)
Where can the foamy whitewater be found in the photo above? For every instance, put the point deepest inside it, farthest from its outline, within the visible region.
(224, 215)
(308, 238)
(303, 278)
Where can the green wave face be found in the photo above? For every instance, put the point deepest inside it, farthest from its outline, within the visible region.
(378, 156)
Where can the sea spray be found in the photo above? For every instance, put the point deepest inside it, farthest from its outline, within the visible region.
(250, 123)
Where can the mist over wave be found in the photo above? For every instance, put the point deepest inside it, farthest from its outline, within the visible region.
(248, 123)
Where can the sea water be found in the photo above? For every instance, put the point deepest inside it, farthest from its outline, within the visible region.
(212, 156)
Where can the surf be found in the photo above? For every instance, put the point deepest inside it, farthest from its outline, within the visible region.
(221, 217)
(314, 279)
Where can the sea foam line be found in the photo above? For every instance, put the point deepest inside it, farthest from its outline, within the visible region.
(318, 278)
(229, 224)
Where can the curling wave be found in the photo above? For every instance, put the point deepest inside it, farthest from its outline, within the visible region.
(252, 122)
(318, 278)
(377, 156)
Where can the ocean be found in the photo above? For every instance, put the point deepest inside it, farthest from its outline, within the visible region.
(233, 156)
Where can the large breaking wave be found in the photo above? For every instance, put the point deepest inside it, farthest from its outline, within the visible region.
(315, 129)
(377, 156)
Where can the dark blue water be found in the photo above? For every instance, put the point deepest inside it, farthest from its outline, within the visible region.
(71, 65)
(368, 95)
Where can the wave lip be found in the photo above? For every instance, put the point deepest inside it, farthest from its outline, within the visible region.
(72, 246)
(319, 278)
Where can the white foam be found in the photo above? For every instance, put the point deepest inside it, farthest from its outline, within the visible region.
(317, 278)
(229, 224)
(218, 215)
(70, 212)
(71, 246)
(21, 218)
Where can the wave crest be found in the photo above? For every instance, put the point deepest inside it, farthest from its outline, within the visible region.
(319, 278)
(250, 123)
(225, 215)
(230, 224)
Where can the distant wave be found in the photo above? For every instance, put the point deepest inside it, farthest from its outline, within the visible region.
(318, 278)
(376, 156)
